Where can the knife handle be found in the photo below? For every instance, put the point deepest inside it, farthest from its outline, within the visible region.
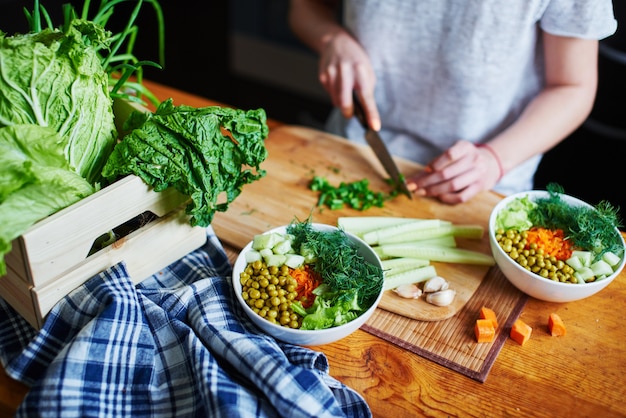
(359, 111)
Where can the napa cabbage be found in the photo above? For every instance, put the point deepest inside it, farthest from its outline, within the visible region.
(56, 124)
(35, 180)
(55, 79)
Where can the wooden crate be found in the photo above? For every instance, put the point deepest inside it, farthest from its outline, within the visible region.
(53, 257)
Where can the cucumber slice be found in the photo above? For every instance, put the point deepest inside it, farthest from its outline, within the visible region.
(266, 241)
(294, 261)
(275, 260)
(601, 268)
(252, 256)
(611, 258)
(283, 247)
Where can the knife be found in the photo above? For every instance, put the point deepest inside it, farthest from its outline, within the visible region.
(380, 149)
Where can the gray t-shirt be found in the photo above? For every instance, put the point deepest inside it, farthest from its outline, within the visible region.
(460, 69)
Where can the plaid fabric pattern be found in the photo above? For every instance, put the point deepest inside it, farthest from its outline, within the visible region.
(175, 345)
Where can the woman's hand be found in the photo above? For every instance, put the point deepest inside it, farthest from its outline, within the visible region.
(343, 67)
(458, 174)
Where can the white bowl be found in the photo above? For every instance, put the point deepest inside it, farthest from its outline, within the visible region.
(533, 284)
(307, 337)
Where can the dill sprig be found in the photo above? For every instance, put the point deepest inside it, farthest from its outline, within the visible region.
(589, 228)
(338, 262)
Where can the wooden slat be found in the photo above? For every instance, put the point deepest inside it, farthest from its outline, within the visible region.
(16, 260)
(144, 252)
(63, 240)
(16, 292)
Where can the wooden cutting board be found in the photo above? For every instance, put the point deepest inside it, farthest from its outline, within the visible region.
(463, 278)
(296, 154)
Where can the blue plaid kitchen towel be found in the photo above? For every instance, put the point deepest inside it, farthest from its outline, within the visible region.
(175, 345)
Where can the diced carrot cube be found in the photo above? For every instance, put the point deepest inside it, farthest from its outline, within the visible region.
(484, 330)
(556, 325)
(520, 332)
(487, 313)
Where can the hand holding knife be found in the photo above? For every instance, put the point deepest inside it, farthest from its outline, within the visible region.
(380, 149)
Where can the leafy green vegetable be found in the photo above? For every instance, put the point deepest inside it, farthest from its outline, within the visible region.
(339, 264)
(329, 309)
(356, 195)
(55, 79)
(35, 180)
(202, 152)
(56, 116)
(589, 228)
(515, 215)
(116, 54)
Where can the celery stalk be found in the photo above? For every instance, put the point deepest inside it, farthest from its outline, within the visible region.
(359, 225)
(462, 231)
(442, 241)
(380, 235)
(417, 275)
(434, 253)
(397, 265)
(404, 262)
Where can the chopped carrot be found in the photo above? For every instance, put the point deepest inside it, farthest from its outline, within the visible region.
(487, 313)
(307, 280)
(484, 330)
(553, 242)
(520, 332)
(556, 325)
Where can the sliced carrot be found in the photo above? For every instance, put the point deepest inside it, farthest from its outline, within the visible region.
(556, 325)
(553, 242)
(484, 330)
(488, 313)
(307, 280)
(520, 332)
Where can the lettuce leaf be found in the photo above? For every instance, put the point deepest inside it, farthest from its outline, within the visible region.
(516, 215)
(55, 79)
(35, 180)
(329, 309)
(207, 153)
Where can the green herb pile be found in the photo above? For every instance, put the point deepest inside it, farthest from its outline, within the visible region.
(590, 228)
(356, 195)
(350, 285)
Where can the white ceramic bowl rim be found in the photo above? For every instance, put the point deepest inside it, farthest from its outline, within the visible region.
(534, 195)
(298, 334)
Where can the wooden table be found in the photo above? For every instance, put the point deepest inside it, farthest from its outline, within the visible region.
(580, 374)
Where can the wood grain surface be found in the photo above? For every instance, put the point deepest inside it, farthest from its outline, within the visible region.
(579, 375)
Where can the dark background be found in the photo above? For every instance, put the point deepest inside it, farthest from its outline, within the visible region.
(241, 52)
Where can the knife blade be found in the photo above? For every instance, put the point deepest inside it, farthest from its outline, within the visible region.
(380, 149)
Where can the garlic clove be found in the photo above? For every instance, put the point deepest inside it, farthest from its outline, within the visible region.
(408, 291)
(441, 298)
(435, 284)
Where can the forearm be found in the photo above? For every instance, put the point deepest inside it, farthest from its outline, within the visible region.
(314, 22)
(547, 120)
(559, 109)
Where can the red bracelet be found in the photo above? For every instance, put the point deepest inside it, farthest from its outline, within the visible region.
(488, 148)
